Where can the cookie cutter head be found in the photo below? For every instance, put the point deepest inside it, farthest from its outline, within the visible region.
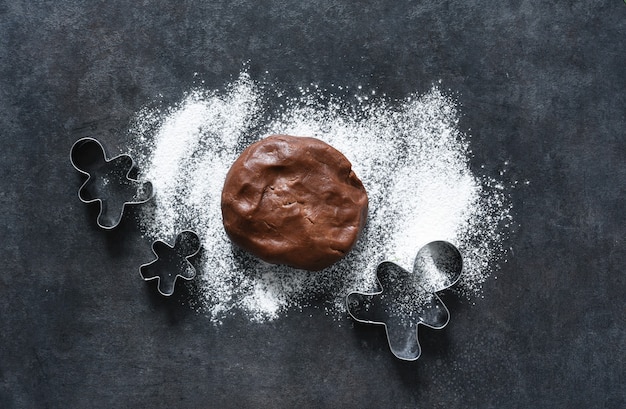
(172, 262)
(108, 181)
(406, 300)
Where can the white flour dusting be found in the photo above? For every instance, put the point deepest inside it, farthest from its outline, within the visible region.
(409, 154)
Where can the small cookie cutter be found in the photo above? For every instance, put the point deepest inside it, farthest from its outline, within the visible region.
(108, 181)
(172, 261)
(407, 300)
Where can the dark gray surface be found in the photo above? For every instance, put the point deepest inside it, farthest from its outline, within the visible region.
(541, 85)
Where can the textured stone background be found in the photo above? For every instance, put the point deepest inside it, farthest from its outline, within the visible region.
(541, 85)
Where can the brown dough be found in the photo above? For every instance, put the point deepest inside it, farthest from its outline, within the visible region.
(295, 201)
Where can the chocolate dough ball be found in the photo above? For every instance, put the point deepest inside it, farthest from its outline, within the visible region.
(295, 201)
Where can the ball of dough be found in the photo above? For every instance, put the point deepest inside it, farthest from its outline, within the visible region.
(295, 201)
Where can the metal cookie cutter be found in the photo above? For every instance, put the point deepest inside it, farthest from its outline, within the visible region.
(108, 181)
(407, 300)
(172, 262)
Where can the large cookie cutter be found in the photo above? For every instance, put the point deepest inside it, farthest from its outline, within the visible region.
(108, 181)
(172, 261)
(407, 300)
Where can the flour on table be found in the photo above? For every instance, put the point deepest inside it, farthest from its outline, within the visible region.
(410, 155)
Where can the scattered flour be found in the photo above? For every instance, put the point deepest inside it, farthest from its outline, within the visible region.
(409, 154)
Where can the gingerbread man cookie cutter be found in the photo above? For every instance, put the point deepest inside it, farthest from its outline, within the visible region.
(108, 181)
(406, 300)
(172, 261)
